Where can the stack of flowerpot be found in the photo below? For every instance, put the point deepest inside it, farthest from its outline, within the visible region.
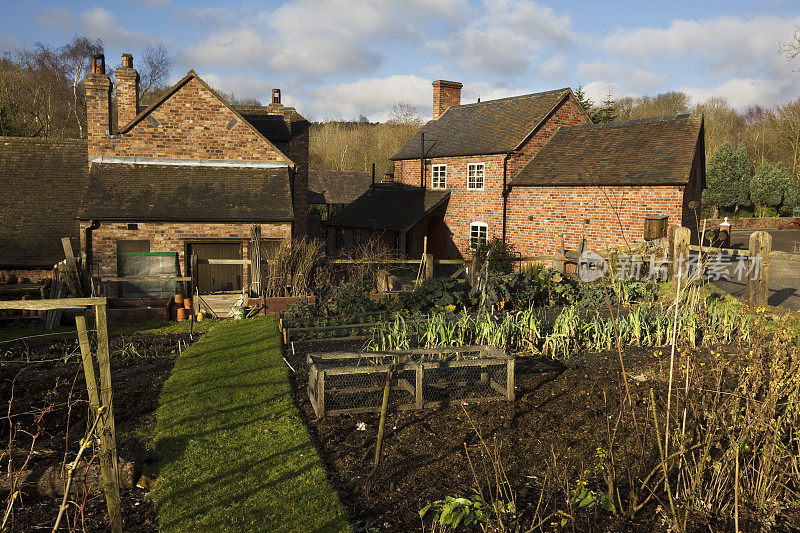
(183, 308)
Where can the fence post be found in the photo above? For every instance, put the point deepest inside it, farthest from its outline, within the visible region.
(88, 367)
(428, 266)
(108, 448)
(679, 252)
(758, 282)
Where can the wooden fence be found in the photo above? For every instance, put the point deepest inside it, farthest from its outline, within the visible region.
(109, 467)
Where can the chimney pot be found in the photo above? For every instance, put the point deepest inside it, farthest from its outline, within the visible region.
(127, 60)
(445, 94)
(276, 96)
(98, 64)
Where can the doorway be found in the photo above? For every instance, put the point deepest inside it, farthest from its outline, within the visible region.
(218, 278)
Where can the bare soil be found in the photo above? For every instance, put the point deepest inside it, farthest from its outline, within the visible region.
(559, 419)
(140, 365)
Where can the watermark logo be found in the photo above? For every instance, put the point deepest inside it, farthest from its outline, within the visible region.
(591, 266)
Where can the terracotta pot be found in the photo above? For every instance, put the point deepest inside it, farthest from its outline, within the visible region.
(179, 299)
(187, 303)
(182, 314)
(200, 316)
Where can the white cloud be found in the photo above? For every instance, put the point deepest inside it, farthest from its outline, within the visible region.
(503, 36)
(598, 91)
(727, 44)
(634, 79)
(56, 18)
(745, 92)
(373, 97)
(102, 23)
(207, 16)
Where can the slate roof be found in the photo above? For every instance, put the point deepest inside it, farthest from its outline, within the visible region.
(275, 121)
(136, 192)
(390, 207)
(42, 182)
(656, 151)
(332, 187)
(490, 127)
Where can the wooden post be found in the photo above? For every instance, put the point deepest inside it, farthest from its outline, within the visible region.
(108, 447)
(88, 367)
(428, 266)
(758, 281)
(73, 274)
(321, 394)
(559, 262)
(679, 252)
(418, 400)
(510, 380)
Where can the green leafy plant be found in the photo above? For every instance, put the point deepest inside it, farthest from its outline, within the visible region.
(455, 511)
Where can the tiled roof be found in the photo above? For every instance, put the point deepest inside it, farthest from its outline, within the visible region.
(42, 182)
(655, 151)
(490, 127)
(332, 187)
(275, 121)
(389, 207)
(119, 191)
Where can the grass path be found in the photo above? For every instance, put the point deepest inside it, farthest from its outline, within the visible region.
(235, 455)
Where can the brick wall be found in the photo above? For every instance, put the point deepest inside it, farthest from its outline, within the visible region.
(168, 237)
(467, 206)
(191, 124)
(538, 216)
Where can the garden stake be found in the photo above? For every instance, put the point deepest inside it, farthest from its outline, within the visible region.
(672, 364)
(663, 460)
(381, 426)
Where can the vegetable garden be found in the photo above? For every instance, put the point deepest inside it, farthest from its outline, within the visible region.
(635, 406)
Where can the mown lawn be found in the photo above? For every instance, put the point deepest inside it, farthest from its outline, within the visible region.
(234, 453)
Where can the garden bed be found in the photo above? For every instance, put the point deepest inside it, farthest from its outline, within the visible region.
(49, 374)
(548, 438)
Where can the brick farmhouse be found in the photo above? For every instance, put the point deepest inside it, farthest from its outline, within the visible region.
(188, 174)
(529, 169)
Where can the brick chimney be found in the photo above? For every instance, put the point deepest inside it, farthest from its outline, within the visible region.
(445, 94)
(127, 91)
(98, 100)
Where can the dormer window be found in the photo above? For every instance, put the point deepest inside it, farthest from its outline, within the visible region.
(475, 176)
(439, 177)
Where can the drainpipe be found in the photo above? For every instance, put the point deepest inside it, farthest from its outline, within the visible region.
(87, 239)
(505, 191)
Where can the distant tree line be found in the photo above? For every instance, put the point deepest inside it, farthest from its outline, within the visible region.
(42, 92)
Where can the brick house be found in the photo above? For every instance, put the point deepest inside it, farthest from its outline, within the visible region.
(189, 174)
(530, 168)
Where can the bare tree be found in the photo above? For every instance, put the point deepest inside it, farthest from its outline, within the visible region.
(75, 57)
(405, 114)
(792, 49)
(156, 67)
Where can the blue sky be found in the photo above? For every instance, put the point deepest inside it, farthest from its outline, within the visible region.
(343, 58)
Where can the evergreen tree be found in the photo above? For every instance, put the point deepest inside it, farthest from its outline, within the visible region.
(768, 185)
(744, 173)
(724, 178)
(585, 101)
(791, 197)
(606, 112)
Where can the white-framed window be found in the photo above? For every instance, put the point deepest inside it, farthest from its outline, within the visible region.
(478, 234)
(475, 176)
(439, 177)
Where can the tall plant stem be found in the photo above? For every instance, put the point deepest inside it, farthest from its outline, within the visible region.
(381, 426)
(672, 365)
(663, 461)
(621, 362)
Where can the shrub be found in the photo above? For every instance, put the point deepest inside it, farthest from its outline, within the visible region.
(499, 255)
(437, 293)
(352, 298)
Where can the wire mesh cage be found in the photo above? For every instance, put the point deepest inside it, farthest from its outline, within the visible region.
(353, 382)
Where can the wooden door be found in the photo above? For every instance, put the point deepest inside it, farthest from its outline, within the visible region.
(437, 238)
(218, 278)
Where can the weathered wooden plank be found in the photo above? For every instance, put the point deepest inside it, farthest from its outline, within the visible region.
(50, 305)
(144, 278)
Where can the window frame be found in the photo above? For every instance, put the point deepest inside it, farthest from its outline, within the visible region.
(483, 176)
(443, 177)
(478, 224)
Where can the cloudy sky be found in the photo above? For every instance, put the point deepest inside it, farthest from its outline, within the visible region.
(344, 58)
